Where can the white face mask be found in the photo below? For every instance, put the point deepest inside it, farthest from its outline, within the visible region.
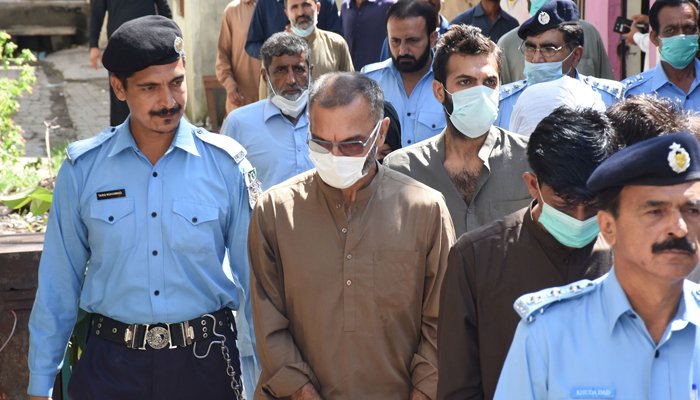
(341, 172)
(288, 107)
(304, 32)
(474, 110)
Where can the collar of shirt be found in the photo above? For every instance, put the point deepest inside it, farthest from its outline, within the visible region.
(271, 110)
(444, 24)
(479, 12)
(659, 77)
(184, 138)
(492, 138)
(351, 3)
(617, 304)
(335, 196)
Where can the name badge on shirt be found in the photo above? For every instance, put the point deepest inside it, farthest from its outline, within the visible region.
(111, 194)
(593, 393)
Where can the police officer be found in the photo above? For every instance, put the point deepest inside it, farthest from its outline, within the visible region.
(141, 220)
(633, 333)
(552, 47)
(674, 30)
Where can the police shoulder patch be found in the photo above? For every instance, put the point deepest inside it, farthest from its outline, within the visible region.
(238, 153)
(77, 149)
(528, 306)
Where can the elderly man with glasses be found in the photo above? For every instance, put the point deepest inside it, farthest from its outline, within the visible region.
(347, 262)
(552, 47)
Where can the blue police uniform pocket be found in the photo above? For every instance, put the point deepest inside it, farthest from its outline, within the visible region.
(430, 121)
(195, 226)
(112, 225)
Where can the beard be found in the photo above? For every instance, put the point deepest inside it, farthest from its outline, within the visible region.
(411, 64)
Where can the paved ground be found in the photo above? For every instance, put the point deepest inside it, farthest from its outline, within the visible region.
(70, 94)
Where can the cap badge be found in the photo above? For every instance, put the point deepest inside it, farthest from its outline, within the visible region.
(543, 18)
(678, 158)
(179, 46)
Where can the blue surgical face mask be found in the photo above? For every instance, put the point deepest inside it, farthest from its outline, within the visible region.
(544, 72)
(474, 110)
(569, 231)
(536, 5)
(679, 50)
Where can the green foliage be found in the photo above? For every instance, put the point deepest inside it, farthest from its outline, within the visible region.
(12, 86)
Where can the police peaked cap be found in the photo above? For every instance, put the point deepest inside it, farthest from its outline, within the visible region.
(661, 161)
(552, 14)
(142, 42)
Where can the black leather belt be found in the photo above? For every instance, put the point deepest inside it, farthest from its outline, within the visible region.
(162, 335)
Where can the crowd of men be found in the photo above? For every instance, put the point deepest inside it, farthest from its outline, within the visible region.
(416, 230)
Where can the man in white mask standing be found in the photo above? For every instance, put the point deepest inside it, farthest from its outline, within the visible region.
(273, 130)
(329, 51)
(476, 165)
(553, 46)
(345, 290)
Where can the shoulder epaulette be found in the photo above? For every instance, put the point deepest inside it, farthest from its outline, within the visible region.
(635, 80)
(77, 149)
(512, 88)
(531, 304)
(614, 88)
(376, 66)
(238, 153)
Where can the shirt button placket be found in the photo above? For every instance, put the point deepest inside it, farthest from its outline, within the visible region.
(154, 225)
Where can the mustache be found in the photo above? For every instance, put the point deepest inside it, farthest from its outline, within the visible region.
(302, 18)
(406, 58)
(682, 244)
(166, 112)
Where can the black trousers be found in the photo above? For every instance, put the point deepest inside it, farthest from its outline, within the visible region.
(110, 371)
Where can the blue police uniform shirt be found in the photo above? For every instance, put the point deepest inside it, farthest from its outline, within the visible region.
(420, 114)
(610, 91)
(278, 149)
(590, 344)
(655, 81)
(137, 242)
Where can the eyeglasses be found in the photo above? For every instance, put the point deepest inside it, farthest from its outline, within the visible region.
(350, 148)
(547, 52)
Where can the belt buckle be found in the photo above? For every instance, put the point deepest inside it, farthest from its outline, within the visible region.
(157, 337)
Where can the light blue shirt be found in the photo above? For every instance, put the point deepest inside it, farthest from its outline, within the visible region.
(608, 90)
(277, 148)
(421, 115)
(155, 254)
(655, 81)
(594, 346)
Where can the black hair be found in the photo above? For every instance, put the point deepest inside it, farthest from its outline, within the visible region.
(609, 200)
(659, 4)
(403, 9)
(645, 116)
(462, 39)
(565, 148)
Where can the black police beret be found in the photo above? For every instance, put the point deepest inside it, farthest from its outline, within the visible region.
(550, 15)
(142, 42)
(661, 161)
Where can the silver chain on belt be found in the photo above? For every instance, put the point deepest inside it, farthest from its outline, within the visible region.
(230, 371)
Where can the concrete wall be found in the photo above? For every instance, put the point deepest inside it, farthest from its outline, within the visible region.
(200, 27)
